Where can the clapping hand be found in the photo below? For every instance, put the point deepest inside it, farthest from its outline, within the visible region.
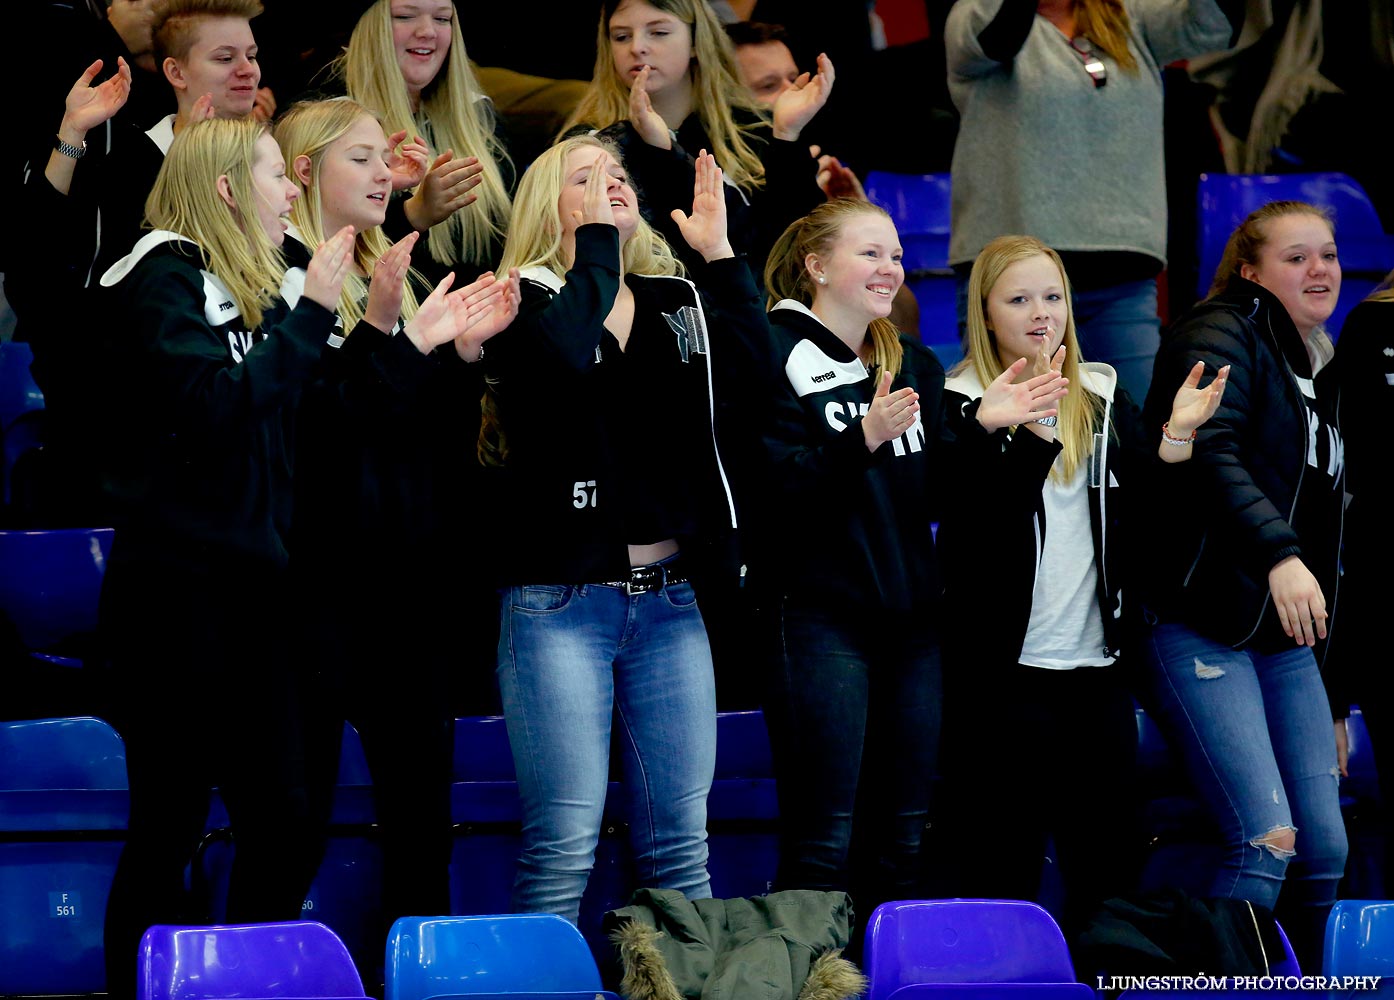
(835, 179)
(705, 229)
(796, 106)
(1007, 402)
(385, 291)
(447, 187)
(891, 413)
(324, 278)
(88, 106)
(264, 107)
(646, 121)
(409, 166)
(491, 310)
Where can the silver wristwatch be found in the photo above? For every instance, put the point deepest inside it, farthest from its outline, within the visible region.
(1047, 421)
(68, 149)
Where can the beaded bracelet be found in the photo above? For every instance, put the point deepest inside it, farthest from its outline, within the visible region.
(1176, 442)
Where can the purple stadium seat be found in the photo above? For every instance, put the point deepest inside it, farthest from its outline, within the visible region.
(271, 961)
(966, 941)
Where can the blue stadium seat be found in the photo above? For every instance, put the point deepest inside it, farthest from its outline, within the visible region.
(528, 953)
(21, 412)
(979, 941)
(1367, 251)
(919, 206)
(63, 812)
(1359, 939)
(347, 890)
(294, 959)
(50, 582)
(742, 810)
(19, 393)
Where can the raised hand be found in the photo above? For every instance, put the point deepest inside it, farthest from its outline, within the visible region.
(264, 107)
(646, 121)
(1007, 402)
(389, 277)
(836, 180)
(1298, 598)
(1193, 406)
(490, 311)
(324, 278)
(891, 413)
(88, 106)
(202, 110)
(446, 188)
(409, 166)
(705, 229)
(595, 201)
(796, 107)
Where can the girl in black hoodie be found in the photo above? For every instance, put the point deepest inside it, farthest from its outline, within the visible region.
(193, 596)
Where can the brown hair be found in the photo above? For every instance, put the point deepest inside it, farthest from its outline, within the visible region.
(175, 22)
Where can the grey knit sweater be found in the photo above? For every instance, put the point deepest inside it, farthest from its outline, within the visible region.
(1041, 150)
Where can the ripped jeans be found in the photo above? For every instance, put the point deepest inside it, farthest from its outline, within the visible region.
(1257, 740)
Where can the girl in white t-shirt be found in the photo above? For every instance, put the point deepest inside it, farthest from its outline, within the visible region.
(1040, 734)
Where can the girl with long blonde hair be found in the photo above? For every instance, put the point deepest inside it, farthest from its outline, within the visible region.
(406, 61)
(666, 86)
(608, 501)
(371, 467)
(1036, 548)
(193, 599)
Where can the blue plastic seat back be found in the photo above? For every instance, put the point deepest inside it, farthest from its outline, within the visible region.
(963, 941)
(435, 956)
(1359, 939)
(50, 582)
(294, 959)
(1367, 252)
(919, 206)
(63, 809)
(19, 393)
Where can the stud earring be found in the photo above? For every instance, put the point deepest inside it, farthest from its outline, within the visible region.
(822, 281)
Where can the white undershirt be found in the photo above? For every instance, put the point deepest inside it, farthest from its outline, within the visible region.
(1066, 630)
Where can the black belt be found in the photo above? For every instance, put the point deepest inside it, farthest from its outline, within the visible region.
(646, 579)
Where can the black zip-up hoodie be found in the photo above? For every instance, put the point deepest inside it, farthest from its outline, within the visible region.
(554, 405)
(1221, 521)
(994, 527)
(207, 476)
(841, 526)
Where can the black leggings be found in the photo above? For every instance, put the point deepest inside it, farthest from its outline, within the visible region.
(204, 695)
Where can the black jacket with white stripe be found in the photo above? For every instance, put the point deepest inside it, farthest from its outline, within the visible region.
(207, 411)
(562, 518)
(837, 525)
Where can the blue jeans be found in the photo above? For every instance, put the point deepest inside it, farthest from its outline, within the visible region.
(1117, 324)
(1256, 737)
(571, 658)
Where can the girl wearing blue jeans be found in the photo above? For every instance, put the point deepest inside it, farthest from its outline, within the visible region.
(1242, 569)
(601, 422)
